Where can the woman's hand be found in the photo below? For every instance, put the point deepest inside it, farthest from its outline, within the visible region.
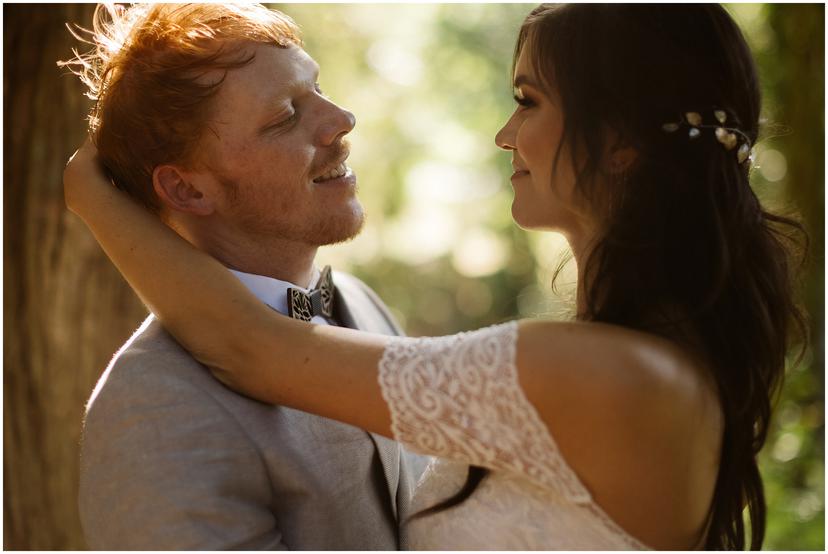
(190, 292)
(83, 177)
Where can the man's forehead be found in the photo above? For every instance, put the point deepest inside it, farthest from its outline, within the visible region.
(274, 72)
(263, 88)
(291, 54)
(281, 67)
(309, 63)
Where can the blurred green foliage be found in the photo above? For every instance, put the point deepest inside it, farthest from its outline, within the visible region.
(789, 45)
(429, 85)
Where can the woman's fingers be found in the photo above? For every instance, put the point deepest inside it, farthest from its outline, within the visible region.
(83, 172)
(86, 153)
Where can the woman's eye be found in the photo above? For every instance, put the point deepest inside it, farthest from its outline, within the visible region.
(524, 101)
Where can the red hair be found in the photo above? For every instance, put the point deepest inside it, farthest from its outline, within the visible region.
(146, 75)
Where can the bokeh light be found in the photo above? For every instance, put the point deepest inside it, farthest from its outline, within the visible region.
(429, 85)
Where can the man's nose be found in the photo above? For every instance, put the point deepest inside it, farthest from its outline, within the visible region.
(337, 123)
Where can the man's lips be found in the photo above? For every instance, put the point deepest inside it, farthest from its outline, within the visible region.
(340, 160)
(346, 180)
(339, 171)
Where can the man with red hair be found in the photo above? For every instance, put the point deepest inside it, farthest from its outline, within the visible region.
(212, 116)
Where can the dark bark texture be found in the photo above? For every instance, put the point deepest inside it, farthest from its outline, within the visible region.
(66, 308)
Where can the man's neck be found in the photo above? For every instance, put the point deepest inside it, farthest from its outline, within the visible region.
(293, 265)
(282, 259)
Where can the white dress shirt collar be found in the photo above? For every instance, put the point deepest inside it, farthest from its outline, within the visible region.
(273, 292)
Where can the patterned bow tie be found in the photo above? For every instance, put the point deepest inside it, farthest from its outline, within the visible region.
(319, 301)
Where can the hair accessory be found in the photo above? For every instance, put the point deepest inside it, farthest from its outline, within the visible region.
(728, 136)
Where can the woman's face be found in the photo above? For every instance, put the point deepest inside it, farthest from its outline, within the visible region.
(545, 196)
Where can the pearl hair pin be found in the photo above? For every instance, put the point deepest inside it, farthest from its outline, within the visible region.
(727, 136)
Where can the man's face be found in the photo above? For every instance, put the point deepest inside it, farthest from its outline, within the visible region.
(274, 152)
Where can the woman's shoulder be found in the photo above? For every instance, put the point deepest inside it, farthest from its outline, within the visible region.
(610, 363)
(633, 414)
(610, 381)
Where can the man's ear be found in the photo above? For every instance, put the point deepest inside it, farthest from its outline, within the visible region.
(176, 191)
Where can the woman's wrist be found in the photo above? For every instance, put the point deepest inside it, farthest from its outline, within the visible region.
(84, 180)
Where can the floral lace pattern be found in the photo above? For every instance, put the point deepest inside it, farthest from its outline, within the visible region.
(459, 398)
(507, 512)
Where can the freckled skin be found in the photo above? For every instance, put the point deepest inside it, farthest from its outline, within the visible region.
(264, 178)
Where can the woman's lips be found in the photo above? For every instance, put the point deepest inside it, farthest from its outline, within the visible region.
(519, 173)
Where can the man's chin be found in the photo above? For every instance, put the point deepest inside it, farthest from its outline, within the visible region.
(337, 232)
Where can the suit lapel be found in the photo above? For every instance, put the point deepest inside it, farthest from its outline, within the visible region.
(389, 455)
(350, 315)
(342, 312)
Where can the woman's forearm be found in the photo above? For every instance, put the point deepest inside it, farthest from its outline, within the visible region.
(188, 290)
(323, 370)
(327, 371)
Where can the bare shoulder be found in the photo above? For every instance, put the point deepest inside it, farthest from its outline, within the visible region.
(607, 363)
(634, 415)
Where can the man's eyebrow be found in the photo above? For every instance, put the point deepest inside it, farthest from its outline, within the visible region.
(285, 89)
(275, 102)
(301, 84)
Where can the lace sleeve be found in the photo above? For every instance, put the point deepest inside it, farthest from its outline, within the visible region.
(458, 397)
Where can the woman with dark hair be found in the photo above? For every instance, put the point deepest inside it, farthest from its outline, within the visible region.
(637, 425)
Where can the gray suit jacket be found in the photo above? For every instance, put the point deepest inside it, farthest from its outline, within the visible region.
(171, 459)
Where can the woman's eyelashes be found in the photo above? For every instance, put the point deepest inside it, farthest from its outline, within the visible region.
(524, 101)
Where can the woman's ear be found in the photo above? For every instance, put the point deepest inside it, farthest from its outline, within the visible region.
(619, 153)
(177, 192)
(622, 158)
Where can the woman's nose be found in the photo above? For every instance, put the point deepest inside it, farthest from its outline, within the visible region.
(505, 138)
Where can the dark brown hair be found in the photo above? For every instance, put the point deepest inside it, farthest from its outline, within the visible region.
(686, 250)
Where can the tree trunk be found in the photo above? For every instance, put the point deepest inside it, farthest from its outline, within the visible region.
(66, 308)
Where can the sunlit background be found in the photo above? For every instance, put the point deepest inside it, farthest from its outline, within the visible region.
(429, 85)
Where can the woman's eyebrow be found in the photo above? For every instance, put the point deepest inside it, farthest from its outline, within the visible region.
(521, 80)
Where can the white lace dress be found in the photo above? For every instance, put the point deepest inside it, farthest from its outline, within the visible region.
(458, 398)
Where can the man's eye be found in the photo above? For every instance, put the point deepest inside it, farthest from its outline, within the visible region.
(283, 123)
(319, 89)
